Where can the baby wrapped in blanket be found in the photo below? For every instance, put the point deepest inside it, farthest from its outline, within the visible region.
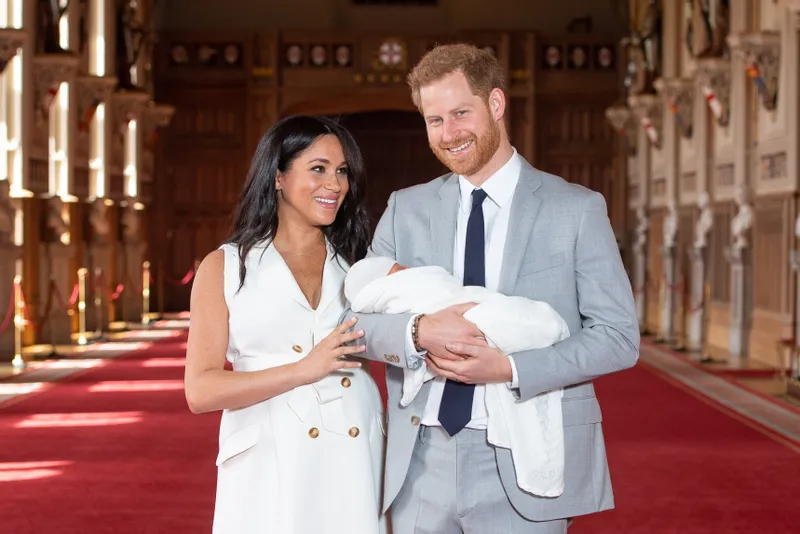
(532, 429)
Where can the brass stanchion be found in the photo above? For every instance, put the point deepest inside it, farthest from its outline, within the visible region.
(160, 283)
(146, 292)
(19, 324)
(82, 339)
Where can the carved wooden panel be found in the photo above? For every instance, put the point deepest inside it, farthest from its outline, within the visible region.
(262, 115)
(688, 182)
(204, 159)
(771, 239)
(387, 138)
(116, 182)
(520, 126)
(208, 117)
(683, 267)
(718, 243)
(39, 176)
(81, 182)
(575, 143)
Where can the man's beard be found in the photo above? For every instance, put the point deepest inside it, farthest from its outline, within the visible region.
(482, 150)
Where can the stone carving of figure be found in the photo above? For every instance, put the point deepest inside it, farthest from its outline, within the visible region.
(704, 222)
(651, 38)
(134, 38)
(6, 213)
(720, 21)
(642, 225)
(636, 79)
(130, 223)
(83, 30)
(50, 13)
(670, 225)
(698, 28)
(55, 218)
(797, 227)
(98, 218)
(743, 221)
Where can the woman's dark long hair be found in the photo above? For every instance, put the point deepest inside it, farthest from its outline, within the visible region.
(256, 215)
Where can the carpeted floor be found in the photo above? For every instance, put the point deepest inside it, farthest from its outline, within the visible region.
(114, 449)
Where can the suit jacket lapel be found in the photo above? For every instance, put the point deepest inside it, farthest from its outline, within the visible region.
(444, 212)
(524, 207)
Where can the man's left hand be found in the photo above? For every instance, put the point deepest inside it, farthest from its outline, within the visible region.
(481, 365)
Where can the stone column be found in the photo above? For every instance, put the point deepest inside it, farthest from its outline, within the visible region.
(56, 276)
(740, 257)
(647, 109)
(9, 255)
(741, 302)
(794, 258)
(699, 294)
(640, 267)
(99, 264)
(132, 257)
(154, 116)
(667, 331)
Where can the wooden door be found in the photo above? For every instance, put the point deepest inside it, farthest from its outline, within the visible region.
(205, 164)
(396, 154)
(575, 142)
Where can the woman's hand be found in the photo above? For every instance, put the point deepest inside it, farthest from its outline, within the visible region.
(326, 356)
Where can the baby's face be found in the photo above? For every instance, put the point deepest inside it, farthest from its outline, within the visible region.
(397, 267)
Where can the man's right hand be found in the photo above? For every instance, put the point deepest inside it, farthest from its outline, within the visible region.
(448, 326)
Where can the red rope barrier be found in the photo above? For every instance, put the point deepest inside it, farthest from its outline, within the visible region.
(182, 282)
(9, 312)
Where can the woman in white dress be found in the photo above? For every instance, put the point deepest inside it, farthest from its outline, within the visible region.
(302, 432)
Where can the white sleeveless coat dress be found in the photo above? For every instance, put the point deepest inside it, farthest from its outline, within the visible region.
(309, 460)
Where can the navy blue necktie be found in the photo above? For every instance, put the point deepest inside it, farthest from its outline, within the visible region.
(455, 410)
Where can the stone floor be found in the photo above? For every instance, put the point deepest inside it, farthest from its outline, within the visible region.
(749, 374)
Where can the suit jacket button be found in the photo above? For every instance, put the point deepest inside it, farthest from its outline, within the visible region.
(354, 432)
(414, 420)
(297, 348)
(345, 382)
(313, 433)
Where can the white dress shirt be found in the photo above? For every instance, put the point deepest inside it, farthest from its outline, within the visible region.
(496, 209)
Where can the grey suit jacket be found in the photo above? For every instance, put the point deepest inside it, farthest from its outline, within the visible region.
(560, 249)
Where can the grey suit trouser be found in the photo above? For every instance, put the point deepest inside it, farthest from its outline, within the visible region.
(453, 486)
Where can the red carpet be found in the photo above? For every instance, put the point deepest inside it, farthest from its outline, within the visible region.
(678, 465)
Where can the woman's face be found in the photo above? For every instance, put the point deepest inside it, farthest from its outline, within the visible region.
(315, 185)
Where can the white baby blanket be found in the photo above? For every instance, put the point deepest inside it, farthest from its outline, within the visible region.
(533, 430)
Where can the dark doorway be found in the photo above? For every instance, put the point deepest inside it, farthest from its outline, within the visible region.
(396, 153)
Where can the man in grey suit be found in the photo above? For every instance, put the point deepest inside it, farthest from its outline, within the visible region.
(498, 222)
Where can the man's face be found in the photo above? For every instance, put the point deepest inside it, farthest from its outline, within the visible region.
(462, 129)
